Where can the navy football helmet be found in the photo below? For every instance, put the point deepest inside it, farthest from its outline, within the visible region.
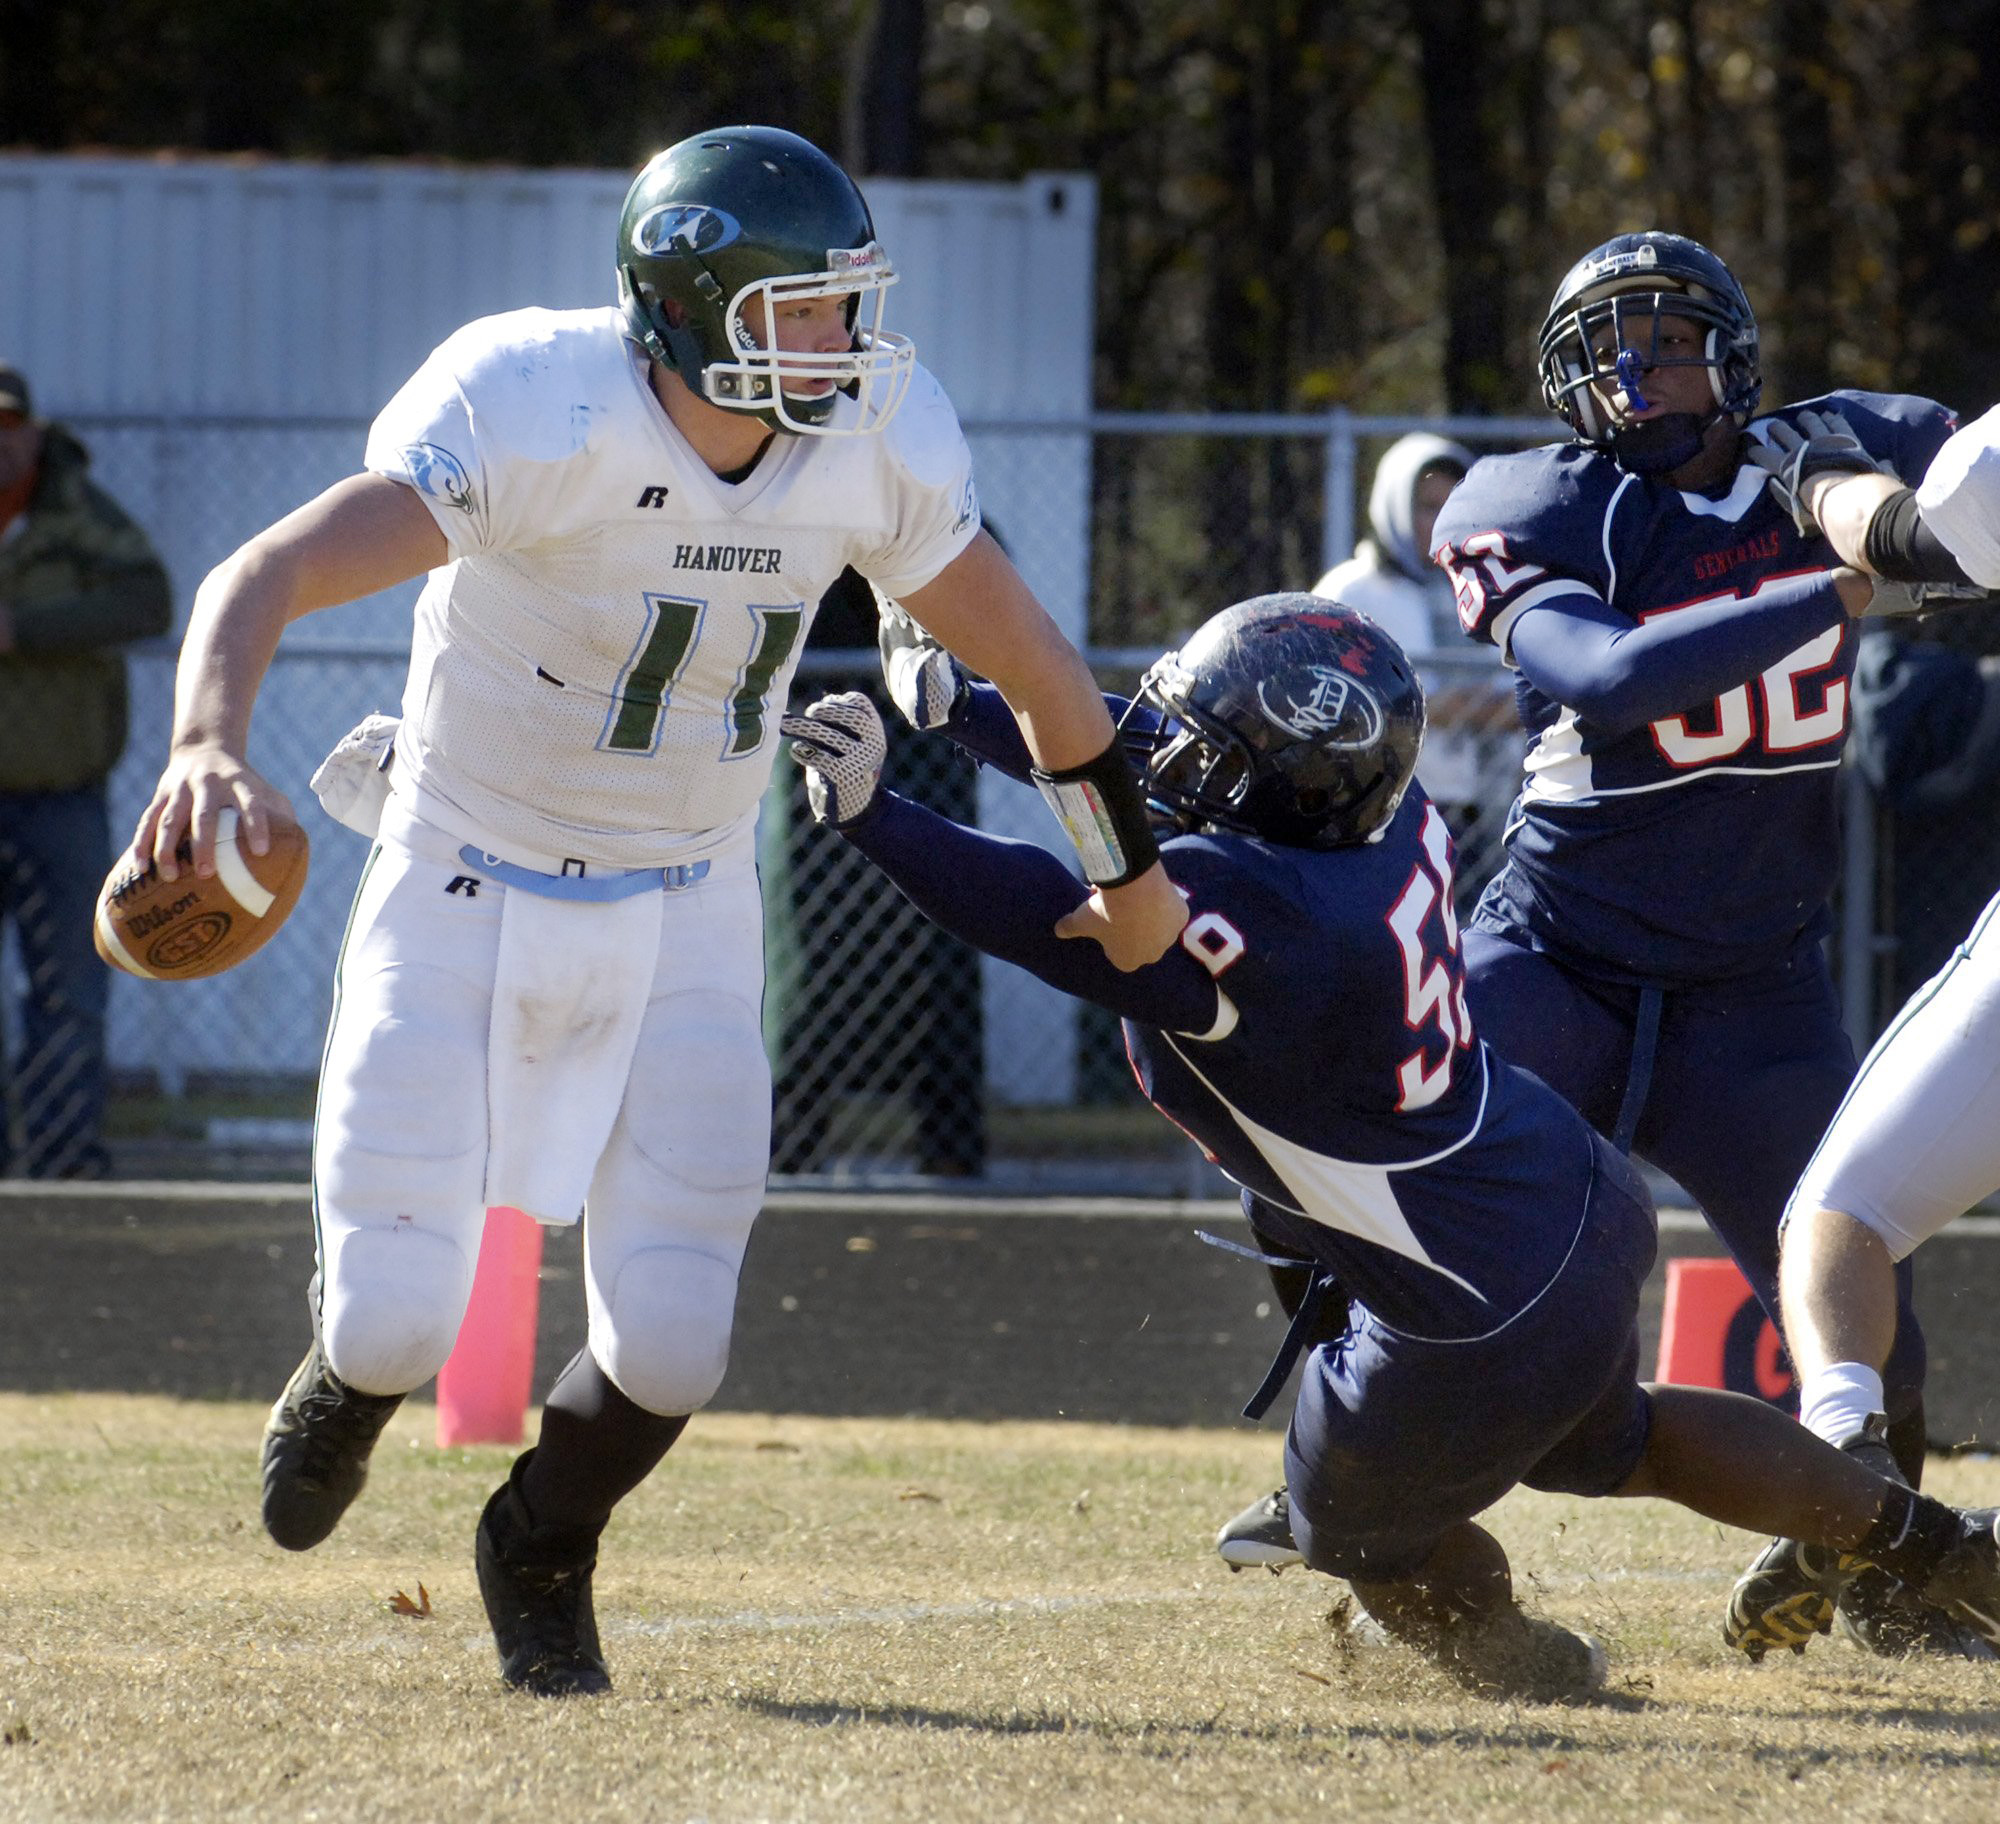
(1287, 717)
(1626, 286)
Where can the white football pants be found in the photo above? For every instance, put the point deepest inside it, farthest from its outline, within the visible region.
(1917, 1141)
(400, 1144)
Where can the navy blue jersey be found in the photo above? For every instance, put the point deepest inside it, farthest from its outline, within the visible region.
(1310, 1032)
(1684, 668)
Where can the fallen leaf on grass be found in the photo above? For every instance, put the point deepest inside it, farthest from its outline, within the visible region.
(420, 1610)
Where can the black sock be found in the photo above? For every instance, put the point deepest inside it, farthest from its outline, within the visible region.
(1911, 1535)
(596, 1446)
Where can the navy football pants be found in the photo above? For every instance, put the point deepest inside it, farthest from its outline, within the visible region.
(1746, 1077)
(1397, 1439)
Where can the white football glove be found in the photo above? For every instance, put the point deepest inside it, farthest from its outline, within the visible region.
(1823, 444)
(840, 743)
(924, 680)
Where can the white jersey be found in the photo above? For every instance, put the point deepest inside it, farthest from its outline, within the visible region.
(599, 671)
(1959, 498)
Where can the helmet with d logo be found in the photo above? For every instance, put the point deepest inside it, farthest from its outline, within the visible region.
(1286, 717)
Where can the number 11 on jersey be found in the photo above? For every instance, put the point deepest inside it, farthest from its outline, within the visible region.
(674, 628)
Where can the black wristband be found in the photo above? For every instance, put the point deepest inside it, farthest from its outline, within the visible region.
(1099, 803)
(1900, 547)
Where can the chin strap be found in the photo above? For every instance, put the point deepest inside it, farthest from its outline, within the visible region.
(1661, 444)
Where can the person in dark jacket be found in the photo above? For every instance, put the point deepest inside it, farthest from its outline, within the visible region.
(78, 580)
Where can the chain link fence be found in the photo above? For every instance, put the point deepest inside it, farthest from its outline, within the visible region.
(897, 1055)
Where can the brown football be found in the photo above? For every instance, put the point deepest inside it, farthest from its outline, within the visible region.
(177, 930)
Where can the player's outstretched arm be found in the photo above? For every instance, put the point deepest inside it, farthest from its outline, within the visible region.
(1005, 898)
(1619, 676)
(363, 534)
(986, 616)
(934, 692)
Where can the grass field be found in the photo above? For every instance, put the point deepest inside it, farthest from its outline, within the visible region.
(820, 1619)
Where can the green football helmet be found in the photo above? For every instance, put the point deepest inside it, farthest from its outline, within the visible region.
(721, 230)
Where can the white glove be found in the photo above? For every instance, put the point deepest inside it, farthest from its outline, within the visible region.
(352, 782)
(924, 680)
(840, 743)
(1823, 444)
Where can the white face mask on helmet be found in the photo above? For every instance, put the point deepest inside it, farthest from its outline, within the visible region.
(874, 370)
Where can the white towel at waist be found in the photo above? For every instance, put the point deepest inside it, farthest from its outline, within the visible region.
(569, 993)
(570, 987)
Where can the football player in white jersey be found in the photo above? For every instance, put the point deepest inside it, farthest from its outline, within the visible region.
(1916, 1142)
(549, 992)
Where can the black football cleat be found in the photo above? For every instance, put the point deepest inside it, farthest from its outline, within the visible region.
(1967, 1584)
(1792, 1591)
(316, 1447)
(1786, 1596)
(1880, 1614)
(536, 1588)
(1261, 1535)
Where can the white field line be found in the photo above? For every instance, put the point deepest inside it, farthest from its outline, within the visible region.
(774, 1621)
(765, 1621)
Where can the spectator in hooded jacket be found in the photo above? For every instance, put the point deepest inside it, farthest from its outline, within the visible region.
(1391, 579)
(78, 580)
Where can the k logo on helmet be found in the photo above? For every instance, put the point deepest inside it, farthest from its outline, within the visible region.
(685, 228)
(1334, 707)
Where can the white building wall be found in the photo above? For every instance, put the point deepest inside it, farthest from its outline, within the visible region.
(147, 298)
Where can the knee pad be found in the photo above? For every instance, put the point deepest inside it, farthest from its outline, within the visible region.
(662, 1334)
(391, 1301)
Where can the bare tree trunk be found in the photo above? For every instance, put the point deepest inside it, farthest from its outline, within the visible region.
(1808, 171)
(1948, 272)
(885, 126)
(1670, 51)
(1463, 75)
(1238, 300)
(31, 100)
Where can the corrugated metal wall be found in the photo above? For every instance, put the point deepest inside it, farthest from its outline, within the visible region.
(221, 331)
(273, 290)
(287, 292)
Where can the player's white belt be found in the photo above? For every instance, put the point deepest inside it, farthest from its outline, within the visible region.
(582, 884)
